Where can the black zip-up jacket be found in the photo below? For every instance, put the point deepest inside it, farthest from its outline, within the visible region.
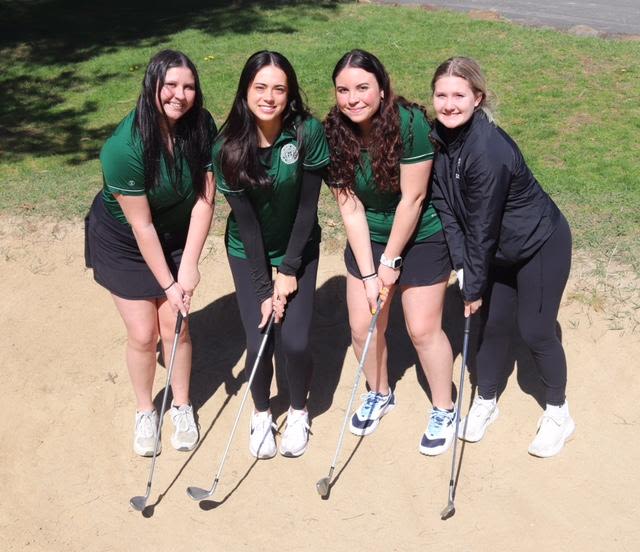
(492, 207)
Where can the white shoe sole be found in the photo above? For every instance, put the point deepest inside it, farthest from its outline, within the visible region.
(183, 447)
(436, 451)
(146, 452)
(294, 453)
(568, 434)
(469, 439)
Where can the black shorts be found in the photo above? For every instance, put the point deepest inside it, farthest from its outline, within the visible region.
(111, 250)
(423, 264)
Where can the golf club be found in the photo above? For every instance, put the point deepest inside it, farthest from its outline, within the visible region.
(197, 493)
(323, 485)
(450, 508)
(139, 502)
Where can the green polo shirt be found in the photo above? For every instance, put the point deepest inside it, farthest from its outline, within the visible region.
(277, 205)
(123, 173)
(380, 207)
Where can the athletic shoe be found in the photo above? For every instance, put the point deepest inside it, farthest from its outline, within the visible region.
(185, 435)
(144, 433)
(440, 432)
(296, 435)
(261, 441)
(555, 428)
(482, 413)
(375, 405)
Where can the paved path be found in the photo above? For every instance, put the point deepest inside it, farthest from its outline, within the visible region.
(605, 16)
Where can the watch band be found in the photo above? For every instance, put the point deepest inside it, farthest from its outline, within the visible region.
(394, 263)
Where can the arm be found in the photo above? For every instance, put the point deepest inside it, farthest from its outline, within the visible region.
(138, 214)
(355, 224)
(286, 282)
(199, 224)
(414, 180)
(452, 231)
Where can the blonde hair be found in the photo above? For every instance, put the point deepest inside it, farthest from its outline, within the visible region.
(469, 70)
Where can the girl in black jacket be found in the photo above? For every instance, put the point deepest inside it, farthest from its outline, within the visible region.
(509, 243)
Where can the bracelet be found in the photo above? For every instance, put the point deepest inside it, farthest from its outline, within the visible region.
(369, 276)
(167, 288)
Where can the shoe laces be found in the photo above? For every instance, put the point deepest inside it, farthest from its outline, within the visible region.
(144, 424)
(262, 423)
(183, 418)
(296, 420)
(438, 419)
(372, 399)
(481, 408)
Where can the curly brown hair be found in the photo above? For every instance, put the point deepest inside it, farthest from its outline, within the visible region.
(385, 145)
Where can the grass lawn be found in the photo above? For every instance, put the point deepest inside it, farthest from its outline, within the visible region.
(71, 72)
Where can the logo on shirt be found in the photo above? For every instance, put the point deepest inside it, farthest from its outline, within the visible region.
(131, 183)
(289, 154)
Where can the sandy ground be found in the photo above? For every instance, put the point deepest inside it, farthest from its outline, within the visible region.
(67, 470)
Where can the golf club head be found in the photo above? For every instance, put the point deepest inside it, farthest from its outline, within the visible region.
(322, 486)
(138, 503)
(448, 511)
(197, 494)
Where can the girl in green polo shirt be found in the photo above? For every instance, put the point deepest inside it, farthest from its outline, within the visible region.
(268, 162)
(381, 161)
(146, 229)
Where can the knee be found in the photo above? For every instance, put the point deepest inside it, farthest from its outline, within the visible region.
(424, 335)
(143, 338)
(295, 346)
(538, 339)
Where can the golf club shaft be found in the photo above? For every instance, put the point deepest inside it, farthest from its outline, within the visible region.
(363, 356)
(164, 402)
(263, 345)
(465, 346)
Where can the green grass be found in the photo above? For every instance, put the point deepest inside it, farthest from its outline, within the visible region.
(570, 102)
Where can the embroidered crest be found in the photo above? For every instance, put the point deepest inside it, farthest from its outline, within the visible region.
(132, 183)
(289, 154)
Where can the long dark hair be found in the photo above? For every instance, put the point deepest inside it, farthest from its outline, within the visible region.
(385, 141)
(191, 132)
(239, 160)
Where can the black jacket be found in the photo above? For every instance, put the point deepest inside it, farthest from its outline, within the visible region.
(491, 205)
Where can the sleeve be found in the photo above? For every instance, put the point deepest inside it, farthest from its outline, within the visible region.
(453, 233)
(415, 130)
(315, 146)
(251, 236)
(123, 169)
(303, 225)
(487, 183)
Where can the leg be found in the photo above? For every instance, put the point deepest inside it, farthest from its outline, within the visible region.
(182, 365)
(295, 330)
(541, 283)
(250, 316)
(423, 315)
(141, 320)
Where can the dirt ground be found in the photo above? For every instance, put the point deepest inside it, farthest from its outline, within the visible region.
(67, 470)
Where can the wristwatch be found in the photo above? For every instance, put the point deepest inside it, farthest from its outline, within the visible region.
(394, 263)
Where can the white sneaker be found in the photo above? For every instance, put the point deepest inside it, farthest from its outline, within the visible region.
(474, 425)
(144, 433)
(555, 428)
(185, 436)
(262, 444)
(296, 434)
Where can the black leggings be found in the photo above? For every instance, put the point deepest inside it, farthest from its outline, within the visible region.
(294, 330)
(527, 294)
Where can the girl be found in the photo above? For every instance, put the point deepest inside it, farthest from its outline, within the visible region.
(380, 165)
(268, 161)
(147, 227)
(509, 243)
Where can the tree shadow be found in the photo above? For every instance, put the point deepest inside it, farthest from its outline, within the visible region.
(37, 37)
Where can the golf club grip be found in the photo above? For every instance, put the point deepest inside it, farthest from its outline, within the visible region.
(179, 320)
(374, 319)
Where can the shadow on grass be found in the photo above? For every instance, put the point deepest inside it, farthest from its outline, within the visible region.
(36, 34)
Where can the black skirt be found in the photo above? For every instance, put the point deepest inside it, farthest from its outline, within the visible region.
(423, 264)
(111, 250)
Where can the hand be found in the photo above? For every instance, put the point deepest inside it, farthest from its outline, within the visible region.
(188, 278)
(175, 296)
(266, 308)
(278, 306)
(471, 307)
(373, 289)
(284, 286)
(388, 276)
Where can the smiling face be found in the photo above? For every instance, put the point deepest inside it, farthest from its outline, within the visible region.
(358, 95)
(267, 95)
(454, 101)
(178, 93)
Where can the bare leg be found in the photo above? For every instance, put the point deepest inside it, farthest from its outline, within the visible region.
(141, 321)
(375, 367)
(423, 315)
(182, 365)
